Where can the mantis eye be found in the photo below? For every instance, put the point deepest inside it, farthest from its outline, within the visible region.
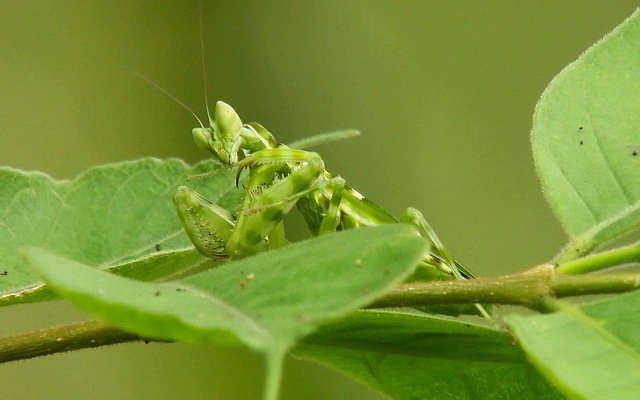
(202, 137)
(227, 120)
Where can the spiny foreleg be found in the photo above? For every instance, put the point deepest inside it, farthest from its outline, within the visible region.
(207, 225)
(265, 205)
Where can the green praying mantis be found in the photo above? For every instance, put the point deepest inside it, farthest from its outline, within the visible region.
(281, 178)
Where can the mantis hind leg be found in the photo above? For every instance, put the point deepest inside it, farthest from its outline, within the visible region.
(439, 256)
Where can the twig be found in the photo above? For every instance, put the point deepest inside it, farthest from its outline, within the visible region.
(528, 289)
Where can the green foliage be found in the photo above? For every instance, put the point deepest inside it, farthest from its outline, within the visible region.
(586, 142)
(107, 217)
(268, 302)
(591, 351)
(420, 356)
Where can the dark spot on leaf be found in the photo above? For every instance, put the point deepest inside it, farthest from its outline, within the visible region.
(157, 293)
(146, 341)
(580, 128)
(581, 142)
(242, 284)
(181, 289)
(4, 273)
(157, 246)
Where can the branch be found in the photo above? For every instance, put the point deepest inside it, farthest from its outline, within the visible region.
(527, 289)
(81, 335)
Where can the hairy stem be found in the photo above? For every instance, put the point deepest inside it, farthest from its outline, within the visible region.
(599, 261)
(525, 289)
(532, 288)
(64, 338)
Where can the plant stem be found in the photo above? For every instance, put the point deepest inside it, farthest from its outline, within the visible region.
(273, 374)
(529, 289)
(525, 289)
(58, 339)
(599, 261)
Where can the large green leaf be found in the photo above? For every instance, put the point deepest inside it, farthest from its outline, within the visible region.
(268, 301)
(417, 356)
(588, 352)
(108, 216)
(586, 141)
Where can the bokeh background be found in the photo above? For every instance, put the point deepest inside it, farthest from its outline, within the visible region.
(442, 91)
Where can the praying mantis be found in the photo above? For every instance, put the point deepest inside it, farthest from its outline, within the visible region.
(281, 178)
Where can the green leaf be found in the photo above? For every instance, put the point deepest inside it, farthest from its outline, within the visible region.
(588, 352)
(586, 141)
(417, 356)
(268, 301)
(117, 215)
(286, 293)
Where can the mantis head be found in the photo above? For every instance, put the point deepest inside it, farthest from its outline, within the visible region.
(223, 136)
(228, 139)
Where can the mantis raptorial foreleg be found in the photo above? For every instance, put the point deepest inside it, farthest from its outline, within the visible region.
(278, 178)
(207, 225)
(269, 204)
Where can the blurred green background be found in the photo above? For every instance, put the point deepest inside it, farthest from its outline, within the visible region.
(442, 91)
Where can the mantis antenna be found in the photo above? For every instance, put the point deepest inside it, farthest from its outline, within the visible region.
(204, 79)
(166, 92)
(204, 67)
